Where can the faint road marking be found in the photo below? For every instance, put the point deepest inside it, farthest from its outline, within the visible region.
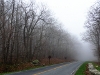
(50, 69)
(75, 70)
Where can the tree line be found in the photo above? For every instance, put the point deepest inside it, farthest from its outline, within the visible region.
(93, 28)
(28, 31)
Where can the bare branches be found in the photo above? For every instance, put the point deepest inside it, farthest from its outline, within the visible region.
(27, 33)
(93, 27)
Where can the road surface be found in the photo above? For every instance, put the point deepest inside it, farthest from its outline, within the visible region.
(58, 69)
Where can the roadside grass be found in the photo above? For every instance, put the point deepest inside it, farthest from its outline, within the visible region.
(23, 66)
(82, 69)
(36, 67)
(96, 66)
(22, 70)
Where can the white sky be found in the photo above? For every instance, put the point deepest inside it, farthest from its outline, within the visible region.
(72, 14)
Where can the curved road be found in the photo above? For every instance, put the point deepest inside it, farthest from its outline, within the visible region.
(58, 69)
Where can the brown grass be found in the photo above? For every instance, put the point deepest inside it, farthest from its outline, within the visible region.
(28, 65)
(87, 70)
(52, 61)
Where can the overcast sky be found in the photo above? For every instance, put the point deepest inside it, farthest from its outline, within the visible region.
(72, 14)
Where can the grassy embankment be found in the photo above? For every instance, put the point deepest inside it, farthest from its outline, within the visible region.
(22, 70)
(28, 66)
(82, 69)
(97, 66)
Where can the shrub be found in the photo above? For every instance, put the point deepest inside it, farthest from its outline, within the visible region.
(36, 62)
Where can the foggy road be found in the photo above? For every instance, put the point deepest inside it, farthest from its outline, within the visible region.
(58, 69)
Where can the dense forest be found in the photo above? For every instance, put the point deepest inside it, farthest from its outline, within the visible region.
(29, 31)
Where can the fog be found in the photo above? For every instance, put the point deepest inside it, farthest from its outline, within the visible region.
(86, 52)
(72, 14)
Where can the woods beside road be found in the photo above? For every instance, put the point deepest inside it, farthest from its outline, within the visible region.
(60, 69)
(29, 32)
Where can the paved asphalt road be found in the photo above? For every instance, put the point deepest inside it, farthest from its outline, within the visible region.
(58, 69)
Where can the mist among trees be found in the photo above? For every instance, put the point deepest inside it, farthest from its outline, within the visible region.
(93, 28)
(30, 32)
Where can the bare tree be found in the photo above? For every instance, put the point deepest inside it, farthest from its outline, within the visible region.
(93, 27)
(27, 32)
